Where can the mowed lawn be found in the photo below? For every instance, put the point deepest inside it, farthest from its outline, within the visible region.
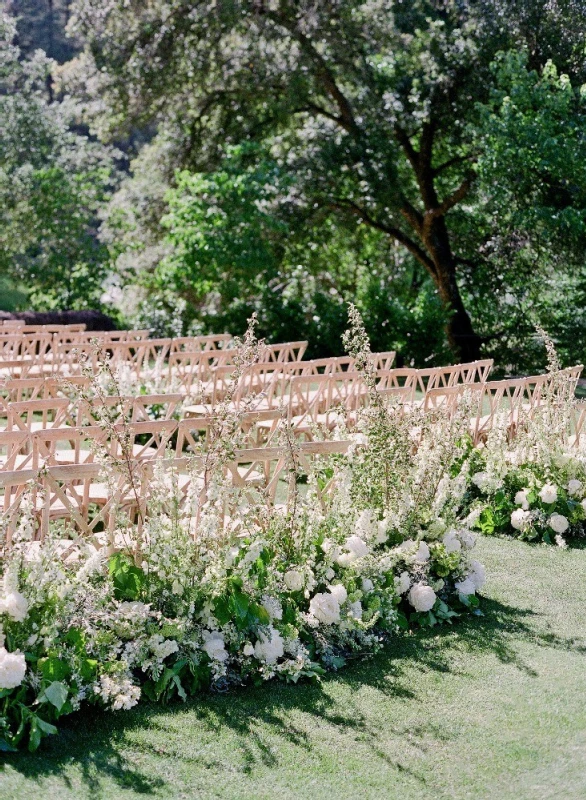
(490, 708)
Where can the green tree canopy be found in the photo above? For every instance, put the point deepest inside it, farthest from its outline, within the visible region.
(373, 106)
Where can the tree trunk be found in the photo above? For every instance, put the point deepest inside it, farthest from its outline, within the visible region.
(461, 335)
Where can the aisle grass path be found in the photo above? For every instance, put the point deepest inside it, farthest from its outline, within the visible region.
(491, 708)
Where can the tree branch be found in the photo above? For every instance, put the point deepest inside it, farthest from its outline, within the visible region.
(402, 137)
(451, 162)
(451, 201)
(344, 204)
(324, 73)
(313, 108)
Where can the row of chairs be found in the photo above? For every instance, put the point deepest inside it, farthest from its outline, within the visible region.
(78, 495)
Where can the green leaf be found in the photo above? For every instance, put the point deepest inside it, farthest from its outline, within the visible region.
(56, 694)
(53, 668)
(5, 747)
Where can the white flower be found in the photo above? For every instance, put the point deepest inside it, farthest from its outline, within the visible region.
(367, 585)
(561, 542)
(521, 499)
(366, 524)
(422, 554)
(357, 546)
(356, 610)
(12, 669)
(162, 647)
(584, 504)
(574, 487)
(214, 645)
(520, 519)
(422, 597)
(15, 605)
(325, 608)
(480, 479)
(467, 538)
(382, 535)
(293, 580)
(273, 607)
(248, 649)
(466, 586)
(549, 493)
(269, 648)
(558, 523)
(339, 592)
(478, 574)
(451, 542)
(402, 583)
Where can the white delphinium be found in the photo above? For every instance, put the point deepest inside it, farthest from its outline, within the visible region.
(520, 520)
(339, 592)
(269, 646)
(117, 692)
(403, 583)
(422, 597)
(161, 647)
(356, 546)
(325, 608)
(452, 542)
(477, 574)
(559, 523)
(15, 605)
(548, 493)
(12, 669)
(273, 607)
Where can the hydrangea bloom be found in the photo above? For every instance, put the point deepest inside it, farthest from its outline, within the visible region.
(269, 646)
(325, 608)
(574, 487)
(12, 669)
(214, 646)
(521, 499)
(422, 597)
(559, 523)
(293, 580)
(520, 519)
(549, 493)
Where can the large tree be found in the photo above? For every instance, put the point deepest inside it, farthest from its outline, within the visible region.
(369, 103)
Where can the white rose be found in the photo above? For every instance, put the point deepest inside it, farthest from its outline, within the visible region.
(12, 669)
(478, 574)
(451, 542)
(339, 592)
(521, 499)
(367, 585)
(402, 583)
(214, 645)
(467, 538)
(558, 523)
(422, 597)
(269, 648)
(422, 554)
(520, 519)
(325, 608)
(574, 487)
(357, 546)
(248, 649)
(466, 586)
(549, 493)
(15, 605)
(293, 580)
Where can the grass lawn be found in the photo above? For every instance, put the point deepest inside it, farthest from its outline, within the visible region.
(490, 708)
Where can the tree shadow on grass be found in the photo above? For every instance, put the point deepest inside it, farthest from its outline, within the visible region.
(107, 748)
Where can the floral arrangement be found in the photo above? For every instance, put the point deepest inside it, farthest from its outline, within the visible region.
(223, 588)
(532, 486)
